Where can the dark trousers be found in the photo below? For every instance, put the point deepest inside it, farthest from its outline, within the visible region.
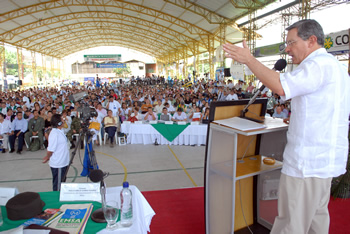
(58, 177)
(111, 132)
(12, 140)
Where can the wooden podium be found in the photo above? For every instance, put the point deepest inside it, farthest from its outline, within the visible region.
(236, 188)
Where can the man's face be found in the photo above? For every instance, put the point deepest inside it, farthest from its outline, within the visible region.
(165, 111)
(36, 114)
(19, 116)
(278, 110)
(298, 48)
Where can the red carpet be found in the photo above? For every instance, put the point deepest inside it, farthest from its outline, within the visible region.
(181, 211)
(178, 211)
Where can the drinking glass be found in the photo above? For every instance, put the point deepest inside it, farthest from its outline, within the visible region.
(111, 213)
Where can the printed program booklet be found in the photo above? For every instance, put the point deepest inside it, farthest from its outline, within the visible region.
(74, 218)
(43, 218)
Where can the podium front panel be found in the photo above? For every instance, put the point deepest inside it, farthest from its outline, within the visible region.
(220, 189)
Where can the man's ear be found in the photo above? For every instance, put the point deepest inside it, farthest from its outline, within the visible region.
(312, 41)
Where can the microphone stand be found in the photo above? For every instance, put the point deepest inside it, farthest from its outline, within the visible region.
(251, 101)
(81, 136)
(98, 215)
(85, 133)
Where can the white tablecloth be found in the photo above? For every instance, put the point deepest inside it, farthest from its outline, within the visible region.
(146, 134)
(142, 212)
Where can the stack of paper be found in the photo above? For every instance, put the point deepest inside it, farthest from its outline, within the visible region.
(240, 124)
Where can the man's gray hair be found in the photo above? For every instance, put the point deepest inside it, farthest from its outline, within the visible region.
(308, 27)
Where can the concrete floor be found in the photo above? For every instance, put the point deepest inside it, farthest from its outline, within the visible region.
(148, 167)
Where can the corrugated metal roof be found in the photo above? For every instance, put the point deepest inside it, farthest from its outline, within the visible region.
(61, 27)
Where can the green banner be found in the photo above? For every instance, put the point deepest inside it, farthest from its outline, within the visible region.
(269, 50)
(102, 57)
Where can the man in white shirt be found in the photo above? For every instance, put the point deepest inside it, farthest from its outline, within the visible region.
(317, 138)
(179, 115)
(232, 96)
(169, 107)
(165, 116)
(114, 106)
(230, 84)
(5, 129)
(159, 107)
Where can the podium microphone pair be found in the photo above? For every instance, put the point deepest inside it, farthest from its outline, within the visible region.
(279, 66)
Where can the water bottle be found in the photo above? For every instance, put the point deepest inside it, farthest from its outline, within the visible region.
(126, 205)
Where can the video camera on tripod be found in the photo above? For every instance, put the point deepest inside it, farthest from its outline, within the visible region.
(85, 111)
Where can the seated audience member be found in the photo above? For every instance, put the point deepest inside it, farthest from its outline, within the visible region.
(75, 128)
(134, 116)
(278, 113)
(179, 115)
(95, 127)
(170, 108)
(19, 127)
(232, 96)
(205, 118)
(165, 116)
(206, 105)
(158, 108)
(250, 88)
(3, 108)
(285, 110)
(5, 129)
(13, 106)
(150, 115)
(47, 127)
(28, 114)
(197, 115)
(111, 124)
(240, 94)
(54, 111)
(144, 107)
(36, 126)
(124, 112)
(67, 121)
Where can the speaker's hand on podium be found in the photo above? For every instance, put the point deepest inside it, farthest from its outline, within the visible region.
(286, 120)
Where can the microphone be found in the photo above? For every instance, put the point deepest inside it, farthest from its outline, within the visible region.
(97, 175)
(279, 66)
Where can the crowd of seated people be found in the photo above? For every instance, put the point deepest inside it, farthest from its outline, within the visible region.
(27, 114)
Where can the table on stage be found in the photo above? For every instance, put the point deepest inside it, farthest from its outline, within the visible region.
(51, 200)
(165, 134)
(142, 211)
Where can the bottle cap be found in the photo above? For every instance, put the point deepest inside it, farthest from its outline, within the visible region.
(126, 184)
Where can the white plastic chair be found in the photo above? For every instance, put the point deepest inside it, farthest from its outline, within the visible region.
(30, 140)
(8, 143)
(106, 137)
